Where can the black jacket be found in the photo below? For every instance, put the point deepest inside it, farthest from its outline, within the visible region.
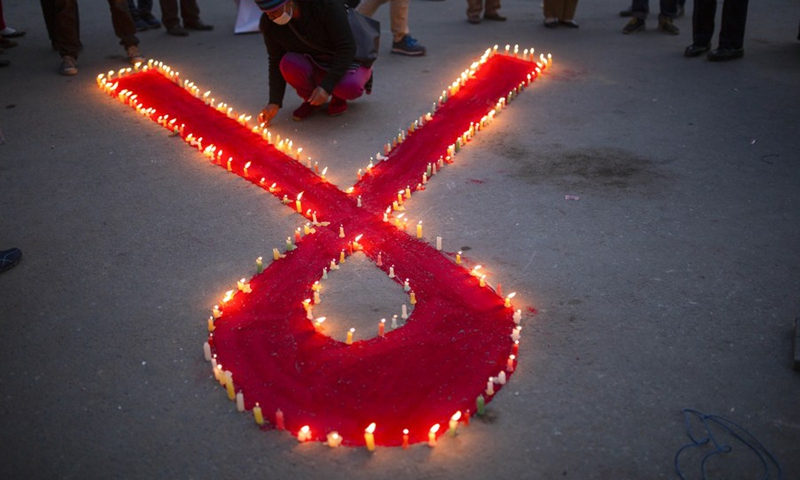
(324, 25)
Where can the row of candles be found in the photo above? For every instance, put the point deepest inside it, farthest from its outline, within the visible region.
(225, 377)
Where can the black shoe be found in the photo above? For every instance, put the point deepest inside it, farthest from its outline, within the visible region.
(178, 31)
(9, 258)
(495, 16)
(725, 54)
(198, 25)
(696, 50)
(626, 13)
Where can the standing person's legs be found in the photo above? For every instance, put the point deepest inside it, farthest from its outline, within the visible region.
(190, 12)
(668, 8)
(492, 6)
(703, 21)
(569, 9)
(169, 13)
(734, 18)
(62, 21)
(398, 18)
(640, 9)
(474, 10)
(124, 27)
(553, 8)
(369, 7)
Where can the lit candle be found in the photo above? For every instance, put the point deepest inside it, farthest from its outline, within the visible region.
(419, 230)
(400, 197)
(408, 192)
(314, 218)
(510, 363)
(341, 257)
(297, 235)
(211, 324)
(324, 273)
(215, 368)
(458, 258)
(369, 437)
(244, 286)
(518, 316)
(216, 312)
(304, 434)
(358, 204)
(405, 439)
(324, 171)
(501, 378)
(289, 244)
(474, 271)
(229, 385)
(279, 420)
(515, 334)
(480, 403)
(276, 255)
(240, 402)
(515, 349)
(317, 300)
(391, 271)
(439, 243)
(404, 314)
(381, 327)
(413, 299)
(259, 264)
(489, 387)
(207, 351)
(454, 423)
(432, 435)
(394, 321)
(406, 286)
(349, 340)
(341, 231)
(258, 416)
(483, 281)
(334, 439)
(318, 323)
(299, 204)
(507, 302)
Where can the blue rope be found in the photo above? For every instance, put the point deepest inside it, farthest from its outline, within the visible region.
(708, 438)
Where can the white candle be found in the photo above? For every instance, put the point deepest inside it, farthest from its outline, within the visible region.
(490, 387)
(207, 351)
(439, 243)
(518, 316)
(240, 402)
(406, 286)
(334, 439)
(341, 231)
(501, 378)
(391, 271)
(405, 312)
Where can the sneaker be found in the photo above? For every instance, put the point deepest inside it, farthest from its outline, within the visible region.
(408, 46)
(69, 66)
(9, 32)
(303, 112)
(9, 258)
(337, 106)
(141, 25)
(134, 55)
(665, 25)
(151, 20)
(635, 25)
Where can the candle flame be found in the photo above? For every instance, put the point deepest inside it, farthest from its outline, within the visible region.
(352, 330)
(371, 428)
(247, 165)
(456, 416)
(435, 428)
(320, 320)
(511, 295)
(228, 296)
(324, 171)
(306, 429)
(300, 195)
(359, 237)
(405, 431)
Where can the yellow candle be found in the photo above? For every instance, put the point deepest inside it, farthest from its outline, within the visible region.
(334, 439)
(349, 340)
(369, 437)
(341, 231)
(419, 230)
(229, 385)
(298, 204)
(507, 302)
(483, 281)
(432, 435)
(276, 255)
(210, 325)
(258, 415)
(304, 434)
(341, 257)
(413, 299)
(458, 258)
(454, 423)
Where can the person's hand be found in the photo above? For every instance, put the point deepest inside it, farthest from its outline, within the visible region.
(318, 96)
(268, 113)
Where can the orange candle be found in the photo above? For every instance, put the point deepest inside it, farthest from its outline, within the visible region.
(405, 439)
(369, 437)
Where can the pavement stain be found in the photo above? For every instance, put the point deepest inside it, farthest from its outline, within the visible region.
(587, 169)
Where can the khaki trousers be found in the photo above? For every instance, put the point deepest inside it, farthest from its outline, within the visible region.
(398, 15)
(475, 7)
(560, 9)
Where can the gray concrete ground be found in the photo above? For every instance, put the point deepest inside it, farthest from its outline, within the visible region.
(671, 283)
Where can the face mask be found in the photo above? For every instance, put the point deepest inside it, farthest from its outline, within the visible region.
(284, 18)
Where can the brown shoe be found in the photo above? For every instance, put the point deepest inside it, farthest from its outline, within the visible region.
(494, 16)
(474, 19)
